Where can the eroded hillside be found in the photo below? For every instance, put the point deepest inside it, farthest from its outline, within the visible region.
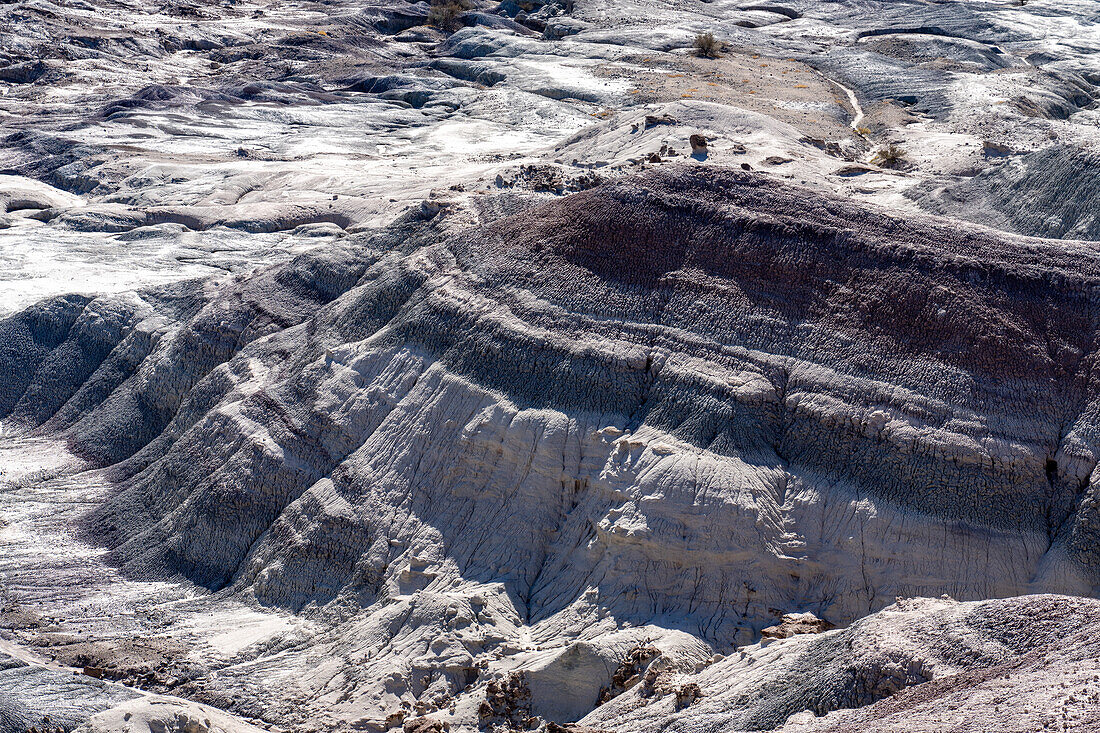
(366, 371)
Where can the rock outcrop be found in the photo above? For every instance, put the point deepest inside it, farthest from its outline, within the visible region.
(1025, 664)
(793, 624)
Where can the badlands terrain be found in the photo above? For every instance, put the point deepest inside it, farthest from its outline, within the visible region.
(371, 366)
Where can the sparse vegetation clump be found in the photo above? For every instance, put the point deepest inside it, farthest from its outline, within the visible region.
(443, 14)
(890, 156)
(707, 46)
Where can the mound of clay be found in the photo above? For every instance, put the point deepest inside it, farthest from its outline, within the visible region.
(1017, 665)
(164, 715)
(1053, 192)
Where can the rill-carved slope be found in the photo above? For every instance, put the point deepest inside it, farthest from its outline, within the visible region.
(687, 398)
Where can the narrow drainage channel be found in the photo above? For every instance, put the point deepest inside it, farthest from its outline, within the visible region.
(857, 119)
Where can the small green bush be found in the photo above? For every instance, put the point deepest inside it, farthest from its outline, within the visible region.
(890, 156)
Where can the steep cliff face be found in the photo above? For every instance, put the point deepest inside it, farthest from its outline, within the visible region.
(683, 399)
